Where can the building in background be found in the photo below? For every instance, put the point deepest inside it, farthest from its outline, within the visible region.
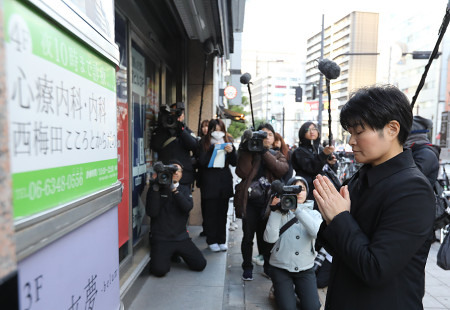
(349, 42)
(402, 36)
(83, 83)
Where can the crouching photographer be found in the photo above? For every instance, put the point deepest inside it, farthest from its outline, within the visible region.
(172, 139)
(293, 225)
(258, 166)
(168, 205)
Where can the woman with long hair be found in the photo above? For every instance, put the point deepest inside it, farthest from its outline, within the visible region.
(217, 182)
(280, 145)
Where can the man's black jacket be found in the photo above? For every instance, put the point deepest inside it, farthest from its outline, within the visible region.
(179, 148)
(168, 212)
(379, 248)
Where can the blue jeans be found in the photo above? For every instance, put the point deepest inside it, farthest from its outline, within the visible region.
(286, 284)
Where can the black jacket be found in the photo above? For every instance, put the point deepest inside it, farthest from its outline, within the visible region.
(180, 148)
(216, 182)
(379, 248)
(308, 161)
(168, 212)
(427, 160)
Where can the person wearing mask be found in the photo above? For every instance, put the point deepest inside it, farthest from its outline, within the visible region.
(256, 169)
(377, 226)
(292, 257)
(172, 139)
(168, 207)
(280, 145)
(217, 182)
(309, 158)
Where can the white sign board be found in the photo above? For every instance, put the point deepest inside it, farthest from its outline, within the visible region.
(78, 271)
(230, 92)
(62, 113)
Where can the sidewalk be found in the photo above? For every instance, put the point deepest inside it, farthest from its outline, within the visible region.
(220, 286)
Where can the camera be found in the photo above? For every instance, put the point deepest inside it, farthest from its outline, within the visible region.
(256, 144)
(287, 194)
(164, 173)
(169, 116)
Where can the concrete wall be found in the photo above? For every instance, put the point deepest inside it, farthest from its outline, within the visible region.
(195, 65)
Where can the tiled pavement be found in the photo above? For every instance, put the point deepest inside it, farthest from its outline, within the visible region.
(220, 285)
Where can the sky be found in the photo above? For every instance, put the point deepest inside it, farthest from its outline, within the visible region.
(284, 25)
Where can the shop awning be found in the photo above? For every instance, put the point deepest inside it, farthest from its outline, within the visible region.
(234, 116)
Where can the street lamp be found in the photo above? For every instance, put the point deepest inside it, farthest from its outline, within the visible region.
(267, 85)
(355, 54)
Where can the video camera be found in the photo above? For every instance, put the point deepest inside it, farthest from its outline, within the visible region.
(169, 116)
(254, 140)
(164, 173)
(286, 193)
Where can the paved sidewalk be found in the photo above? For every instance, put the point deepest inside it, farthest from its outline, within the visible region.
(220, 285)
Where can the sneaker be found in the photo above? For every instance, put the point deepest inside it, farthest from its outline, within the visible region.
(258, 260)
(223, 247)
(214, 247)
(247, 275)
(272, 293)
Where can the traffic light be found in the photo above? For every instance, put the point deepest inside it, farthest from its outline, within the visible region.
(298, 94)
(273, 119)
(313, 92)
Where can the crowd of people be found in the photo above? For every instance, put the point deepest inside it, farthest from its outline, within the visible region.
(372, 233)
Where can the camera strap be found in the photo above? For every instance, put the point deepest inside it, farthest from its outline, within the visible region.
(168, 141)
(287, 225)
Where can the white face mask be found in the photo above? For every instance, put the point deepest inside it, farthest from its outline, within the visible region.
(217, 135)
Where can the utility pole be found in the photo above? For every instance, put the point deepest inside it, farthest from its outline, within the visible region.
(319, 117)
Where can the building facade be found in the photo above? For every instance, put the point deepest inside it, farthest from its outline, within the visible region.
(349, 42)
(84, 82)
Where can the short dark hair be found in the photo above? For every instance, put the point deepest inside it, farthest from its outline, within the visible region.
(266, 126)
(175, 161)
(376, 106)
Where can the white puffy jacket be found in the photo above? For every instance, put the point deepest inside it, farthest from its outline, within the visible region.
(294, 249)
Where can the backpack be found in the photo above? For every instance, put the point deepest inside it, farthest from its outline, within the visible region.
(442, 206)
(442, 215)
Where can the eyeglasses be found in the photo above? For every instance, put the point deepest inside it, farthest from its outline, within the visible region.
(311, 129)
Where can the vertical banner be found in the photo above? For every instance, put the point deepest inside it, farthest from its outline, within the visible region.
(123, 157)
(78, 271)
(62, 113)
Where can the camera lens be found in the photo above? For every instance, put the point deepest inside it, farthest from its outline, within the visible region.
(288, 202)
(164, 178)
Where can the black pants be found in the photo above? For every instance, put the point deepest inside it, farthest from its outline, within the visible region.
(162, 252)
(251, 224)
(215, 221)
(323, 274)
(286, 284)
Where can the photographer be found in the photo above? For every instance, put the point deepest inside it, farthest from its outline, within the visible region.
(168, 206)
(255, 164)
(310, 157)
(293, 227)
(173, 140)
